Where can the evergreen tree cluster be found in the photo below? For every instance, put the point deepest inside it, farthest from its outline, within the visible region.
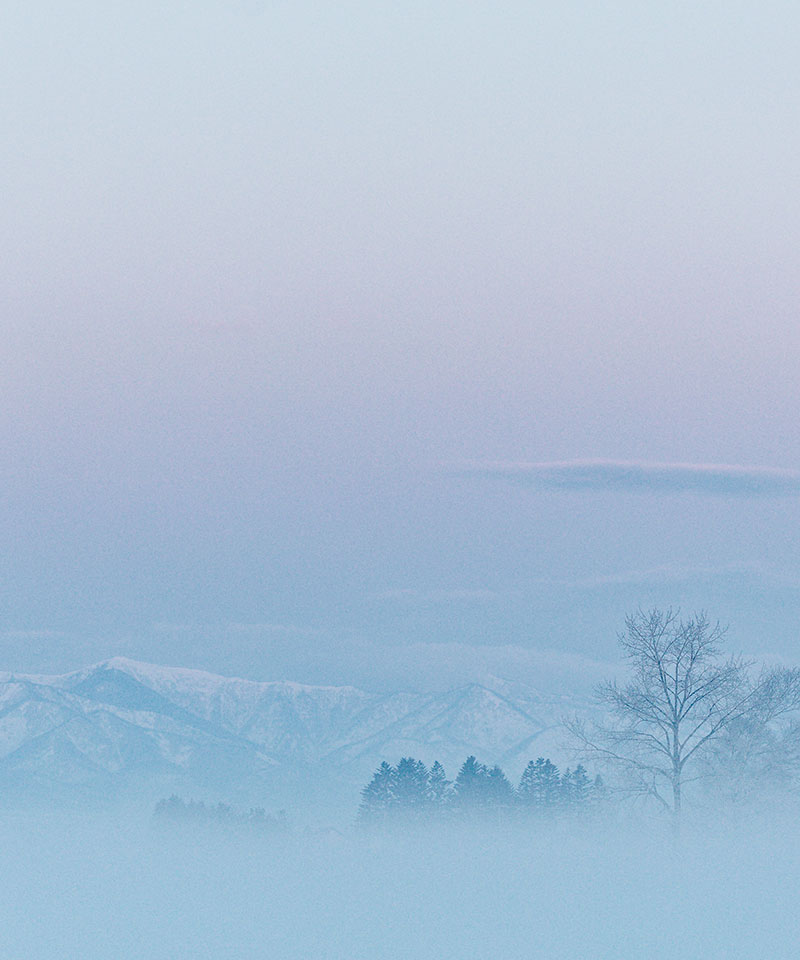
(411, 791)
(194, 812)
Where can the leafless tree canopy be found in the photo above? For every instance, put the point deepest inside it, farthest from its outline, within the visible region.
(682, 696)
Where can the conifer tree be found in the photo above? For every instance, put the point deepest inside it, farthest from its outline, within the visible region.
(499, 790)
(581, 786)
(527, 784)
(551, 784)
(411, 785)
(567, 793)
(598, 793)
(378, 797)
(469, 789)
(540, 786)
(439, 787)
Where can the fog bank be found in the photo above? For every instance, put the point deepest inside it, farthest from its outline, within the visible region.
(85, 889)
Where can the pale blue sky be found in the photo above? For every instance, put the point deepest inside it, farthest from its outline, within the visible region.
(282, 282)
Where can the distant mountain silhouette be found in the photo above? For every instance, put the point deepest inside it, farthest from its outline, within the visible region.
(121, 725)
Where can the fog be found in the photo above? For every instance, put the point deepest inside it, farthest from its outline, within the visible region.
(75, 887)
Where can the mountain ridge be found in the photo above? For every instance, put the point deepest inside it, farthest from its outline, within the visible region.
(121, 723)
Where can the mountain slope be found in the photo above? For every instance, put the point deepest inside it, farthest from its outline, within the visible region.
(122, 724)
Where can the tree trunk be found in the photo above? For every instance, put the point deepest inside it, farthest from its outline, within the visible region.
(676, 799)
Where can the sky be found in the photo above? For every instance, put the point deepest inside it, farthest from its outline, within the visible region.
(396, 344)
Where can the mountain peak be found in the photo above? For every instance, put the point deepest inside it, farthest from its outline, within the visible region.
(124, 721)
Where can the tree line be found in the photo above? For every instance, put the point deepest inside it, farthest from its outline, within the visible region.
(689, 723)
(176, 810)
(412, 791)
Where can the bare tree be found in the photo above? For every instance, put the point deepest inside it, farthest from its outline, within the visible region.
(683, 695)
(753, 764)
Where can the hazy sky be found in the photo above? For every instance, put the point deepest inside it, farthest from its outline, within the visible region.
(299, 298)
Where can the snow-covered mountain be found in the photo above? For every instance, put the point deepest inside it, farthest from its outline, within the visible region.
(123, 725)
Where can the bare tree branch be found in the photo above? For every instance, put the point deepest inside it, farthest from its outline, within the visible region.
(682, 698)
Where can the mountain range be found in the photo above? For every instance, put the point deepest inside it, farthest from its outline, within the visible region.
(125, 728)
